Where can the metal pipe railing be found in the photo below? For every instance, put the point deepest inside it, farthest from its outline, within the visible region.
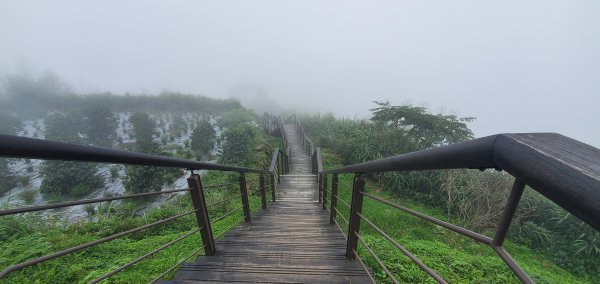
(20, 147)
(26, 209)
(87, 245)
(412, 257)
(562, 169)
(147, 255)
(30, 148)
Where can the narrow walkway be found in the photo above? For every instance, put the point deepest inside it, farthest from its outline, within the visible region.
(290, 242)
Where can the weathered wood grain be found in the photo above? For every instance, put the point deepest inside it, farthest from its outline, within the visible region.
(292, 241)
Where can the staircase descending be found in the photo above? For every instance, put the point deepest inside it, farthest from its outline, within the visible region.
(290, 242)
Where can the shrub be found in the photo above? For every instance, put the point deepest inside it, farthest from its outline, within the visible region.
(28, 195)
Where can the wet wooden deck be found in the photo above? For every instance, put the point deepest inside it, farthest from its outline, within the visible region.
(290, 242)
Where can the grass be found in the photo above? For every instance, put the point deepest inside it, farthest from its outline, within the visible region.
(27, 237)
(456, 258)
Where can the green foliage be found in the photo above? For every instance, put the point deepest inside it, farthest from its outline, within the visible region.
(64, 127)
(64, 177)
(143, 130)
(5, 182)
(457, 259)
(33, 97)
(69, 178)
(424, 129)
(473, 199)
(588, 244)
(392, 130)
(114, 171)
(30, 95)
(476, 198)
(240, 142)
(9, 124)
(100, 125)
(25, 237)
(203, 138)
(178, 126)
(28, 195)
(236, 117)
(140, 179)
(177, 151)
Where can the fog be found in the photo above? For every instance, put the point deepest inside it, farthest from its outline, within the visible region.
(517, 66)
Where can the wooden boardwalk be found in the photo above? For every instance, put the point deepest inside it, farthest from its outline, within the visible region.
(290, 242)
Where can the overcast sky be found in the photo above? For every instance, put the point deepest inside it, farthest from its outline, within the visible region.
(517, 66)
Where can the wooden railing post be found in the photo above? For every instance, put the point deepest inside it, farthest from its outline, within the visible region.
(199, 203)
(244, 195)
(287, 164)
(319, 178)
(334, 190)
(509, 212)
(318, 162)
(273, 187)
(358, 187)
(280, 167)
(279, 159)
(324, 182)
(263, 192)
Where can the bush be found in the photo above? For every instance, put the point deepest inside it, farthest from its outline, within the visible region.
(69, 178)
(114, 172)
(28, 195)
(239, 146)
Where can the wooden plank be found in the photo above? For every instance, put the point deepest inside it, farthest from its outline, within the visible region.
(292, 241)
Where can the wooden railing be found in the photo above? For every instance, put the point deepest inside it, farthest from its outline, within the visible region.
(563, 170)
(20, 147)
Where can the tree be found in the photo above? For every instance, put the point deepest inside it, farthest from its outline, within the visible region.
(203, 138)
(64, 127)
(9, 125)
(425, 129)
(238, 146)
(146, 178)
(100, 125)
(33, 96)
(144, 128)
(236, 116)
(65, 177)
(69, 178)
(178, 126)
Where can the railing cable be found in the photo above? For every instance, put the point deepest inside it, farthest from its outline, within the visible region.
(151, 253)
(231, 227)
(86, 245)
(223, 200)
(412, 257)
(475, 236)
(178, 264)
(387, 271)
(85, 201)
(344, 202)
(227, 214)
(364, 266)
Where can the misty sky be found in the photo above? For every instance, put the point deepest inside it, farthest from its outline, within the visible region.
(518, 66)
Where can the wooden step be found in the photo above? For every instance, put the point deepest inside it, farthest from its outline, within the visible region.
(272, 270)
(289, 242)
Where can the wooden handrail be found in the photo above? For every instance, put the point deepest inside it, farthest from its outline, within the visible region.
(21, 147)
(30, 148)
(564, 170)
